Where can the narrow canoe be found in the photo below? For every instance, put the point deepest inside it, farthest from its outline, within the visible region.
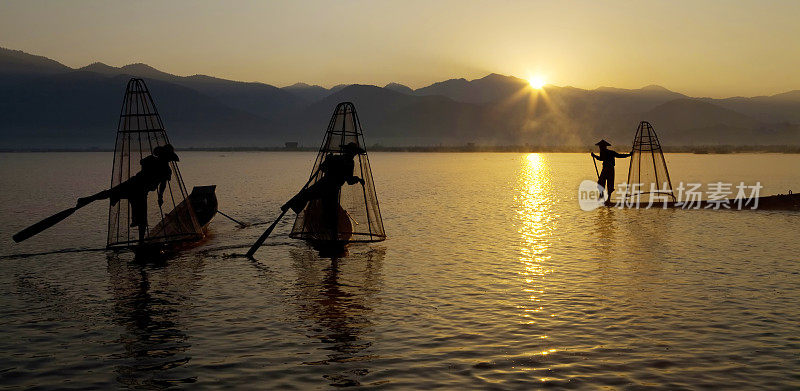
(177, 224)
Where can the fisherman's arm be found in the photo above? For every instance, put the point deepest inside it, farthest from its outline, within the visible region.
(161, 187)
(595, 156)
(354, 179)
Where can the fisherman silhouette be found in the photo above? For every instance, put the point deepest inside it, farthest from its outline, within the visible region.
(607, 156)
(337, 169)
(154, 175)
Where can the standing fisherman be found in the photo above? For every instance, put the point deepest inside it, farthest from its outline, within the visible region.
(607, 156)
(155, 174)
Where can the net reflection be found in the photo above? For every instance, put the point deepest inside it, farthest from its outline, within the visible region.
(534, 217)
(336, 299)
(149, 300)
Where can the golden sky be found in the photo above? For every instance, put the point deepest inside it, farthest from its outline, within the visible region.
(714, 48)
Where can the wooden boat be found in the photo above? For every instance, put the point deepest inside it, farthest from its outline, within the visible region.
(204, 203)
(647, 148)
(327, 239)
(200, 206)
(785, 202)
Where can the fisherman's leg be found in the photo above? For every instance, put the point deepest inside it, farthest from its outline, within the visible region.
(297, 203)
(141, 227)
(601, 183)
(142, 230)
(313, 192)
(114, 194)
(139, 211)
(610, 182)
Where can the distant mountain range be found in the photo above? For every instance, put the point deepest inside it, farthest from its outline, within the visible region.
(45, 104)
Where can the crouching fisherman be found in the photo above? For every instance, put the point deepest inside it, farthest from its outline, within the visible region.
(336, 169)
(154, 175)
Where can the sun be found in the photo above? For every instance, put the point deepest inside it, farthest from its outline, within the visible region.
(537, 82)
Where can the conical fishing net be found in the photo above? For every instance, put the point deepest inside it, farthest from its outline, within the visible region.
(345, 209)
(139, 132)
(648, 177)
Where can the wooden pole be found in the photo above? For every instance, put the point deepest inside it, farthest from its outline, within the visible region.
(264, 236)
(44, 224)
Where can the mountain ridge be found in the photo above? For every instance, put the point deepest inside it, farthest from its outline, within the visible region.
(492, 110)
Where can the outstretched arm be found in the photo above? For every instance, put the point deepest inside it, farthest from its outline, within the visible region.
(354, 179)
(595, 156)
(622, 155)
(161, 187)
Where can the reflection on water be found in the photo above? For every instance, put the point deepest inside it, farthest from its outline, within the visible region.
(336, 299)
(535, 218)
(493, 278)
(149, 300)
(605, 230)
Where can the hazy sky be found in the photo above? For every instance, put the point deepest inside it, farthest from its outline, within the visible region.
(703, 48)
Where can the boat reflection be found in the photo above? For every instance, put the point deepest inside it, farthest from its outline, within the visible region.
(149, 300)
(535, 217)
(336, 299)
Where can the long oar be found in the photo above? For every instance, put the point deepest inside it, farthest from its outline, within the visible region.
(264, 236)
(266, 233)
(45, 224)
(602, 192)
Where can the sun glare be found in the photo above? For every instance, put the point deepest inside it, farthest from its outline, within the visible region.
(537, 82)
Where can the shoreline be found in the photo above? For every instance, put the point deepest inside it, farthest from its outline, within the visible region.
(700, 150)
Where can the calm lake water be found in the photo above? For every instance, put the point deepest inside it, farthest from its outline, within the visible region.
(492, 278)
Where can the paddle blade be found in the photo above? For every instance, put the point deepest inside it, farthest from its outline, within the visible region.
(264, 236)
(43, 225)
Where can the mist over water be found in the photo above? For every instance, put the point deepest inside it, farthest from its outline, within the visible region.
(491, 277)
